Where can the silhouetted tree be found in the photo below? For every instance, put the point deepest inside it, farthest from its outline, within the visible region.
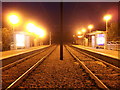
(113, 32)
(7, 37)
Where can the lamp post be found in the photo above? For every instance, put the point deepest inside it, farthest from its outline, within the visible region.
(50, 39)
(37, 31)
(90, 27)
(14, 20)
(84, 30)
(106, 18)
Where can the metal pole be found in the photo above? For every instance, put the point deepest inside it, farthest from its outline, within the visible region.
(61, 32)
(106, 34)
(14, 38)
(50, 38)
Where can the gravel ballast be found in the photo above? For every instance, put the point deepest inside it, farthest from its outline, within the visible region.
(11, 74)
(107, 74)
(56, 73)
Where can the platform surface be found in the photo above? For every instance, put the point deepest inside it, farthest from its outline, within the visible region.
(10, 53)
(110, 53)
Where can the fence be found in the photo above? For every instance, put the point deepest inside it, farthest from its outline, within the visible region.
(113, 45)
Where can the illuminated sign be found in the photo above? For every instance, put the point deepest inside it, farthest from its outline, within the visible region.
(93, 41)
(20, 40)
(100, 39)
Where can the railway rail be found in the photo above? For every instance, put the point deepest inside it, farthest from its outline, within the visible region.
(32, 77)
(13, 58)
(105, 74)
(11, 64)
(110, 59)
(14, 70)
(77, 70)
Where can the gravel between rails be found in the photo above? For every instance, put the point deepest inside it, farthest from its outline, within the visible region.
(56, 73)
(107, 74)
(9, 75)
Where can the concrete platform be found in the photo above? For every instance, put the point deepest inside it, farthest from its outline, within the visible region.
(7, 54)
(110, 53)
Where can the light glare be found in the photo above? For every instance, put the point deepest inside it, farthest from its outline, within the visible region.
(83, 30)
(13, 19)
(107, 17)
(20, 40)
(90, 26)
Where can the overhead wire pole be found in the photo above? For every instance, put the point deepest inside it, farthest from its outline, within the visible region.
(61, 30)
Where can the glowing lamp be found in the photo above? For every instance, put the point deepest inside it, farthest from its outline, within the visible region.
(107, 17)
(14, 19)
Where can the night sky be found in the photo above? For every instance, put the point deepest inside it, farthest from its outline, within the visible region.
(75, 15)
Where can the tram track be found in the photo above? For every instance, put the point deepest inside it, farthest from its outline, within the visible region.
(107, 74)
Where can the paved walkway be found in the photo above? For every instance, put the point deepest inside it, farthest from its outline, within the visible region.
(11, 53)
(111, 53)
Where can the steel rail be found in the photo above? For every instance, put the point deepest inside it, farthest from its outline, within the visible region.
(24, 75)
(21, 60)
(93, 57)
(110, 60)
(98, 81)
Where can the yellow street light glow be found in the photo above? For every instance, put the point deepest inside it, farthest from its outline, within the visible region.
(90, 26)
(40, 32)
(80, 36)
(83, 30)
(14, 19)
(107, 17)
(79, 32)
(73, 35)
(20, 40)
(31, 27)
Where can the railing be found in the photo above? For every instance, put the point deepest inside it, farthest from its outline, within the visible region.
(113, 45)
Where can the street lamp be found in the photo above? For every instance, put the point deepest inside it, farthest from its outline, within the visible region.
(106, 18)
(79, 32)
(90, 27)
(14, 20)
(83, 30)
(31, 27)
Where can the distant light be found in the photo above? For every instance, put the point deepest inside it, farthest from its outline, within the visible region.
(14, 19)
(20, 40)
(79, 32)
(40, 32)
(83, 30)
(100, 39)
(107, 17)
(80, 36)
(90, 26)
(31, 27)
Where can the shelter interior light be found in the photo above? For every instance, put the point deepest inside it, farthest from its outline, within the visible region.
(100, 39)
(20, 40)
